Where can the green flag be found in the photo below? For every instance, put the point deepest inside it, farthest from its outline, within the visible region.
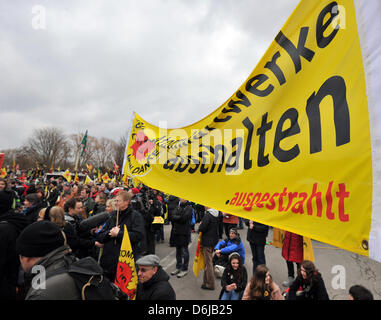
(83, 143)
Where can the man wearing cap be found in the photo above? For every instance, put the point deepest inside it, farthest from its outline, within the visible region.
(153, 280)
(42, 250)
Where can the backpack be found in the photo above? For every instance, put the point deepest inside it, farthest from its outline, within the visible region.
(90, 281)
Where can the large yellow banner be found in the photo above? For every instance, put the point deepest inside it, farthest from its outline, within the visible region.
(290, 148)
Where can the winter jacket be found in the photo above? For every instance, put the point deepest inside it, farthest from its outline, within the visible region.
(173, 203)
(181, 219)
(209, 228)
(11, 225)
(229, 276)
(57, 287)
(292, 249)
(256, 233)
(156, 288)
(229, 246)
(134, 222)
(314, 290)
(81, 243)
(32, 212)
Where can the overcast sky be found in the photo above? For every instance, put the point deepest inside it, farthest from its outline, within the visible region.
(81, 65)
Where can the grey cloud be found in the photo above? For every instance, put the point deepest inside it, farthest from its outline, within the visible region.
(97, 61)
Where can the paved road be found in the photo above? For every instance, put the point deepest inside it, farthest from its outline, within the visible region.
(338, 267)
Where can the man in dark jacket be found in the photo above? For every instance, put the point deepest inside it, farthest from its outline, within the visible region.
(112, 234)
(181, 220)
(41, 247)
(11, 224)
(209, 238)
(33, 205)
(256, 235)
(153, 280)
(173, 203)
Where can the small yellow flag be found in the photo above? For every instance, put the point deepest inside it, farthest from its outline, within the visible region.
(199, 262)
(126, 276)
(67, 175)
(88, 180)
(308, 252)
(3, 173)
(106, 178)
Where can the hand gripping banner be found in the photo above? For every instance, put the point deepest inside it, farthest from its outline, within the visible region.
(297, 146)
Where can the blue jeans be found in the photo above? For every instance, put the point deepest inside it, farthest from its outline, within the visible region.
(258, 253)
(231, 295)
(182, 258)
(160, 233)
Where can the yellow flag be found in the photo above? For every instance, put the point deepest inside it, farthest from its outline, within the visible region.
(88, 180)
(308, 252)
(278, 237)
(76, 178)
(67, 175)
(3, 173)
(297, 146)
(126, 276)
(199, 262)
(106, 178)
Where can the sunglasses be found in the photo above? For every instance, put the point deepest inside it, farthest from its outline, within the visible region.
(144, 269)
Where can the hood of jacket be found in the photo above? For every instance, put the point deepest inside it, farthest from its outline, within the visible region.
(213, 212)
(17, 220)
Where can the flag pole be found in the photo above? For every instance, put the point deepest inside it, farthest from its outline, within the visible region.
(117, 220)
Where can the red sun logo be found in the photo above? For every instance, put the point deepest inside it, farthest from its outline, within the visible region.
(142, 146)
(124, 277)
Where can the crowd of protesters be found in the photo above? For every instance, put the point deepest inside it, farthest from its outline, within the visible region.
(55, 222)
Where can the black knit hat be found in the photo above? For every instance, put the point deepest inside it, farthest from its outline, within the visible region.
(39, 238)
(6, 201)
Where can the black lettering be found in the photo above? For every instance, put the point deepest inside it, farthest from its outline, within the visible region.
(232, 106)
(296, 52)
(276, 70)
(250, 127)
(181, 168)
(170, 164)
(336, 88)
(280, 134)
(321, 40)
(263, 159)
(218, 150)
(253, 88)
(235, 154)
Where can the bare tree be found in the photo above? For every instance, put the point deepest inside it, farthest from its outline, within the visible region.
(119, 150)
(88, 156)
(48, 146)
(103, 151)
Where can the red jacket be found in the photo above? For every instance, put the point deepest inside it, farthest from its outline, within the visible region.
(292, 249)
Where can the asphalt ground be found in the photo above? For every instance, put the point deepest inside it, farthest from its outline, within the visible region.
(340, 269)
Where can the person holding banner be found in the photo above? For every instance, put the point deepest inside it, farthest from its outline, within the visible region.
(256, 236)
(181, 219)
(292, 251)
(209, 238)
